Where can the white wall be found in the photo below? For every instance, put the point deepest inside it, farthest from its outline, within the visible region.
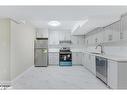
(22, 48)
(4, 50)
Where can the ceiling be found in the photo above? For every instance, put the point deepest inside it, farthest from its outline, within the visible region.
(67, 15)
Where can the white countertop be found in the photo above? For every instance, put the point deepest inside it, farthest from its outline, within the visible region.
(53, 50)
(111, 57)
(73, 50)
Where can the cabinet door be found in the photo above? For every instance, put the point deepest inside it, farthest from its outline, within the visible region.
(124, 27)
(108, 34)
(79, 58)
(112, 74)
(83, 59)
(74, 58)
(116, 31)
(100, 37)
(86, 41)
(53, 37)
(93, 65)
(53, 58)
(68, 35)
(87, 61)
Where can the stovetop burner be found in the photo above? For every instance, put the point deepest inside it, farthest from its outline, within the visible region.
(65, 49)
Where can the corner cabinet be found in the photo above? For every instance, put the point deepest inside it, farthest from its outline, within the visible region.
(76, 58)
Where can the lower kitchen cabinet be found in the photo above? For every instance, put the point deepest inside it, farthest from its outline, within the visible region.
(112, 74)
(54, 58)
(89, 62)
(117, 77)
(93, 64)
(77, 58)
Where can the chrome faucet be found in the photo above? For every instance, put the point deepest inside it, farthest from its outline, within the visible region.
(100, 45)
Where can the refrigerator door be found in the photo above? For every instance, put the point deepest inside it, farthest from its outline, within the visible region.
(41, 57)
(42, 43)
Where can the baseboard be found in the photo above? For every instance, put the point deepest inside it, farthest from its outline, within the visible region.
(58, 65)
(53, 64)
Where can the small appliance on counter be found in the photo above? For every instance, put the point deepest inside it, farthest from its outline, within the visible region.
(65, 57)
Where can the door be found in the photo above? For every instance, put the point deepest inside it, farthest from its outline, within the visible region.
(41, 43)
(41, 57)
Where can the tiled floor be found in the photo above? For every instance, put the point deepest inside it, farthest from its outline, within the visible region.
(55, 77)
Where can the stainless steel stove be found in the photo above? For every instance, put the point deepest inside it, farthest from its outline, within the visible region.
(65, 57)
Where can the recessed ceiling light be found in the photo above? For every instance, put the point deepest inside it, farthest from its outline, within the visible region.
(54, 23)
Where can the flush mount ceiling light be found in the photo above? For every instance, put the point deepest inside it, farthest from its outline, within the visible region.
(54, 23)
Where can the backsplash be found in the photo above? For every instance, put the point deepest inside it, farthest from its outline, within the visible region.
(117, 50)
(110, 50)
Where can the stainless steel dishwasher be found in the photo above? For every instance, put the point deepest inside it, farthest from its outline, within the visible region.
(101, 68)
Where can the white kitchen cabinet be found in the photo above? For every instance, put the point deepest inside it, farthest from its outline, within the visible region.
(89, 62)
(78, 40)
(81, 40)
(124, 27)
(76, 58)
(53, 58)
(86, 41)
(112, 74)
(56, 36)
(117, 77)
(93, 64)
(53, 38)
(89, 41)
(108, 34)
(100, 37)
(67, 35)
(41, 33)
(83, 59)
(116, 28)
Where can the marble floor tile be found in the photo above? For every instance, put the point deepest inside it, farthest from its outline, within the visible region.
(55, 77)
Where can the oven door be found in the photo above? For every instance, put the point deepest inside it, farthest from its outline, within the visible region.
(65, 59)
(101, 68)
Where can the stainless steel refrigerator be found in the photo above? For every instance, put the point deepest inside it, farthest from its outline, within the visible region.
(41, 52)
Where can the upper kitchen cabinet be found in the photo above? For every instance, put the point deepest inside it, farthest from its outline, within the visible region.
(56, 36)
(95, 37)
(53, 38)
(108, 34)
(64, 35)
(78, 40)
(41, 33)
(98, 37)
(123, 33)
(116, 29)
